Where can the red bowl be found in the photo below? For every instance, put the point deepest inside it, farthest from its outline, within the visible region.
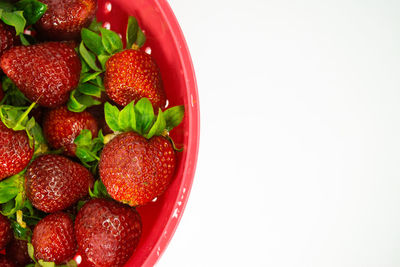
(168, 47)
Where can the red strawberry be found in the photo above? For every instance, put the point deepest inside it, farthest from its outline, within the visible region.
(8, 38)
(131, 75)
(64, 19)
(6, 233)
(54, 182)
(6, 262)
(62, 126)
(15, 152)
(107, 232)
(17, 251)
(45, 73)
(53, 238)
(136, 170)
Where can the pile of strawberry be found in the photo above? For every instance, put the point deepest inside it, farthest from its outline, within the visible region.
(84, 135)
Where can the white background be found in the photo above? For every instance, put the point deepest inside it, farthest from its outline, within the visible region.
(299, 160)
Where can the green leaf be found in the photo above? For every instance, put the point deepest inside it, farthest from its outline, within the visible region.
(13, 96)
(88, 149)
(31, 252)
(111, 41)
(103, 59)
(158, 127)
(144, 115)
(46, 263)
(85, 66)
(89, 58)
(78, 102)
(84, 138)
(131, 32)
(95, 26)
(10, 187)
(33, 10)
(20, 232)
(85, 77)
(15, 19)
(18, 204)
(24, 40)
(99, 190)
(174, 116)
(126, 118)
(92, 41)
(141, 38)
(111, 114)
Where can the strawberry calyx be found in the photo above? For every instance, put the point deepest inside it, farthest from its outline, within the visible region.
(139, 117)
(97, 46)
(16, 118)
(21, 14)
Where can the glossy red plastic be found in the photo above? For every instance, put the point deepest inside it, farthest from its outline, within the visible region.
(166, 42)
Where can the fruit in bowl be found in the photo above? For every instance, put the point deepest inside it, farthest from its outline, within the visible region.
(112, 126)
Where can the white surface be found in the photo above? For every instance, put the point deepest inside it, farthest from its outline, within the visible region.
(299, 160)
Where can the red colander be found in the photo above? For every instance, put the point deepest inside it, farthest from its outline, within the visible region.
(167, 45)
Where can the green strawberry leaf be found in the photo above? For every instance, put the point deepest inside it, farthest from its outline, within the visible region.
(140, 118)
(16, 118)
(174, 116)
(127, 118)
(111, 114)
(43, 263)
(15, 19)
(33, 10)
(111, 41)
(22, 233)
(10, 187)
(85, 66)
(158, 127)
(103, 59)
(95, 26)
(88, 148)
(88, 56)
(78, 102)
(92, 41)
(141, 38)
(13, 96)
(31, 252)
(14, 205)
(144, 115)
(85, 77)
(131, 31)
(99, 190)
(24, 39)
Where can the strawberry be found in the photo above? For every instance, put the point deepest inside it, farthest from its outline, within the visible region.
(107, 232)
(64, 19)
(54, 182)
(45, 73)
(6, 233)
(131, 75)
(17, 251)
(15, 151)
(62, 126)
(53, 238)
(138, 163)
(6, 262)
(8, 38)
(136, 170)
